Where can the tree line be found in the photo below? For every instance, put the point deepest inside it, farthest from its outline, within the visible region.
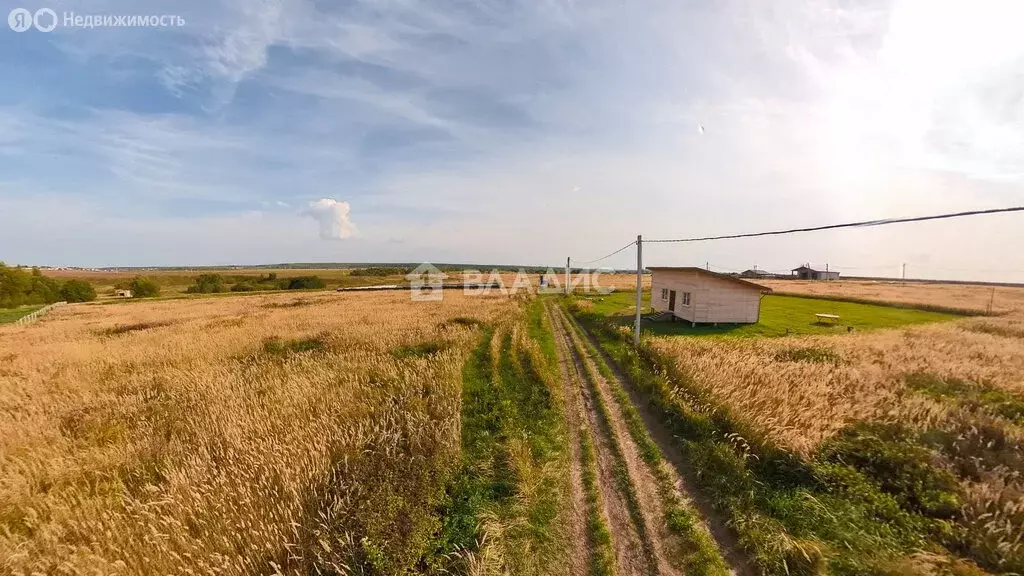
(214, 283)
(20, 286)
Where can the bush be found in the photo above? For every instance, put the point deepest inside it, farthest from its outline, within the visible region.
(19, 287)
(142, 287)
(379, 271)
(305, 283)
(243, 287)
(891, 455)
(207, 284)
(77, 291)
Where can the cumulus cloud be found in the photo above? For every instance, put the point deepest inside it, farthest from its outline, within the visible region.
(333, 217)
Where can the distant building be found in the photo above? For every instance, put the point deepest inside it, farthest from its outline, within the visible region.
(755, 273)
(123, 293)
(700, 296)
(805, 272)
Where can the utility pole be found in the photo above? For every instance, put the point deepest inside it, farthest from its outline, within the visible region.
(904, 271)
(567, 275)
(639, 287)
(707, 266)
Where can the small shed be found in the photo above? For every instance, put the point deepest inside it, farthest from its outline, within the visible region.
(805, 272)
(701, 296)
(123, 293)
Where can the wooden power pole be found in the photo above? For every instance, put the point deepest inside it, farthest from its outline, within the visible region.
(567, 275)
(639, 287)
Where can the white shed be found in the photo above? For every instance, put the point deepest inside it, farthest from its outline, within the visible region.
(700, 296)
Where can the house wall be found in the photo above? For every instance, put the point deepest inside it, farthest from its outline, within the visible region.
(711, 299)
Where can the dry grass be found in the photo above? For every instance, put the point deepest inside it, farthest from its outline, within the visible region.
(957, 384)
(827, 382)
(958, 296)
(188, 444)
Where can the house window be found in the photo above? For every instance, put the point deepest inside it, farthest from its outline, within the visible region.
(664, 293)
(686, 299)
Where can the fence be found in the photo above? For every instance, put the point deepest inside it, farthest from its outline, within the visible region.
(33, 317)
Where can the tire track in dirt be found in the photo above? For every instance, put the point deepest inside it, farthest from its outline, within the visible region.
(579, 555)
(633, 553)
(738, 561)
(666, 546)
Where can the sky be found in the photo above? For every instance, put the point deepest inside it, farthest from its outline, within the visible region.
(516, 132)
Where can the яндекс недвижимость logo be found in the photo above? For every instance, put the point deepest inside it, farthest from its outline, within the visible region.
(46, 20)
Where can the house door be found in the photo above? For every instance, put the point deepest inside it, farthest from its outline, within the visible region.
(672, 300)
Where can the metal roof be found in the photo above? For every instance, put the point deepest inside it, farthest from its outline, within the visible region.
(745, 283)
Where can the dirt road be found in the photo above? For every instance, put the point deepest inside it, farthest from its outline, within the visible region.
(640, 490)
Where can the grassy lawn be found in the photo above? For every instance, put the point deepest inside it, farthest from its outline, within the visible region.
(8, 315)
(780, 315)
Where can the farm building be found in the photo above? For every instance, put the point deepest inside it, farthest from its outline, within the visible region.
(123, 293)
(755, 273)
(805, 272)
(700, 296)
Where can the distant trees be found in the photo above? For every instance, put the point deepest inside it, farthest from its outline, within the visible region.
(77, 291)
(20, 286)
(272, 282)
(143, 287)
(305, 283)
(379, 271)
(208, 284)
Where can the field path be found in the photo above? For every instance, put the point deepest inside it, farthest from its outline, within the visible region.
(659, 548)
(632, 554)
(578, 555)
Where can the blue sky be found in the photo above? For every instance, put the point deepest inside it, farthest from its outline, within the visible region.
(515, 132)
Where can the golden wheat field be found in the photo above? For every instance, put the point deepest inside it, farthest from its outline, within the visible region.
(959, 384)
(800, 403)
(977, 297)
(232, 435)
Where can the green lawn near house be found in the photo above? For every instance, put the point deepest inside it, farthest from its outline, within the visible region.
(780, 316)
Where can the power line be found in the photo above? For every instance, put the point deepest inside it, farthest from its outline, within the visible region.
(864, 224)
(608, 256)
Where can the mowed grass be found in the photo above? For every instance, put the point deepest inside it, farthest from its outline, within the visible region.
(8, 315)
(780, 316)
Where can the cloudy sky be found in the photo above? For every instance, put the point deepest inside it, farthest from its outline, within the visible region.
(516, 131)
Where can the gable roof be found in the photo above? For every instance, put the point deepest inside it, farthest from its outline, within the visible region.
(744, 283)
(808, 268)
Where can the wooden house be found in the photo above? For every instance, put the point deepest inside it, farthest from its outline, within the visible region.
(703, 297)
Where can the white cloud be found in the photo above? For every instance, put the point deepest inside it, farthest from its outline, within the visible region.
(332, 216)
